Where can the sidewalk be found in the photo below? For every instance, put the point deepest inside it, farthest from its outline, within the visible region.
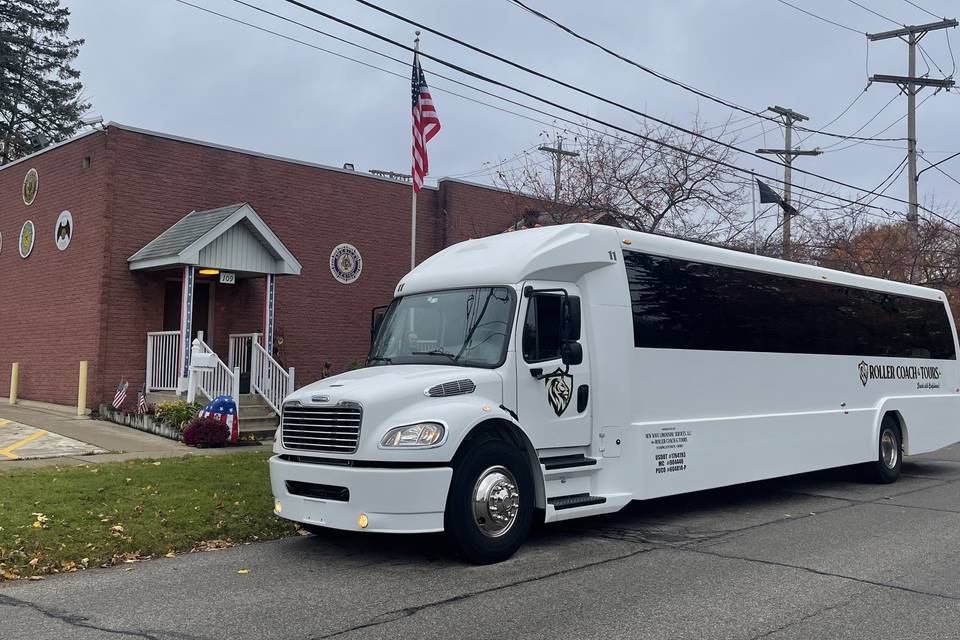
(121, 443)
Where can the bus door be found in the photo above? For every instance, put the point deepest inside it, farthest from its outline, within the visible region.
(553, 371)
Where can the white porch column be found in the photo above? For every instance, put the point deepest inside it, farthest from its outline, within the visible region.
(269, 298)
(186, 322)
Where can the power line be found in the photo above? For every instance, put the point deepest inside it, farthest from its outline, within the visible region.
(818, 17)
(534, 109)
(630, 61)
(929, 13)
(879, 15)
(575, 112)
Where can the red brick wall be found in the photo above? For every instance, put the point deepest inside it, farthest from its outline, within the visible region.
(50, 308)
(61, 307)
(159, 180)
(472, 211)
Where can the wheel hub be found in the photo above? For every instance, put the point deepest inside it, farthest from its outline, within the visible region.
(496, 501)
(889, 451)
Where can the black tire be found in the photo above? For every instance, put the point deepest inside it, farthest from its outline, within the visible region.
(886, 468)
(478, 539)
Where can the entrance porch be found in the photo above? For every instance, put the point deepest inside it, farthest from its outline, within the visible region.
(220, 269)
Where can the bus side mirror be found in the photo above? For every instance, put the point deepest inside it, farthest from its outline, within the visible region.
(571, 353)
(376, 319)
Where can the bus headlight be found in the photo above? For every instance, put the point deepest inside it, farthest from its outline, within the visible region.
(422, 434)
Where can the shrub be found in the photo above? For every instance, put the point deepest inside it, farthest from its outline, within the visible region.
(205, 431)
(177, 413)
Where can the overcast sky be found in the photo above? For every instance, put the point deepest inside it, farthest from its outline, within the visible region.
(161, 65)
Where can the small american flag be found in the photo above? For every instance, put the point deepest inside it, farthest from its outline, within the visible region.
(142, 399)
(426, 124)
(121, 396)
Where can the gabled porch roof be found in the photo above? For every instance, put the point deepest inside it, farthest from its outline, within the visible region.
(231, 238)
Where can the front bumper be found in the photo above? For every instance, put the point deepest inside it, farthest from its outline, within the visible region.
(394, 500)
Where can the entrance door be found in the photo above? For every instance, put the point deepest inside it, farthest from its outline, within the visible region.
(201, 307)
(548, 393)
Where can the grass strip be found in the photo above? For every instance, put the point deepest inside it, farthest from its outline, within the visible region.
(63, 519)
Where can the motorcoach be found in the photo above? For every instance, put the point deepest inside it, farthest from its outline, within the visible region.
(564, 371)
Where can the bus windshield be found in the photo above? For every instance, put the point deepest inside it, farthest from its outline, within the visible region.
(465, 327)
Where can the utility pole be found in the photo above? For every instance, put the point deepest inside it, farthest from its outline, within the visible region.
(786, 155)
(911, 85)
(558, 153)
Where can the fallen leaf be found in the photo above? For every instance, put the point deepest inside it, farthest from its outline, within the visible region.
(243, 571)
(170, 555)
(35, 578)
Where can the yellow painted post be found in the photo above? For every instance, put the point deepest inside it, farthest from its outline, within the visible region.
(14, 375)
(82, 391)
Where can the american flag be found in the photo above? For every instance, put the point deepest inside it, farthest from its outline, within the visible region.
(121, 396)
(142, 399)
(224, 409)
(426, 124)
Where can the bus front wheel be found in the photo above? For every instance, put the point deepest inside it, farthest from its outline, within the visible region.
(490, 504)
(886, 468)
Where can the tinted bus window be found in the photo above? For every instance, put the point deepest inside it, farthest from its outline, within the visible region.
(679, 304)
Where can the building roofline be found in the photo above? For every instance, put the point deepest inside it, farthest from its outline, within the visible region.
(27, 158)
(248, 152)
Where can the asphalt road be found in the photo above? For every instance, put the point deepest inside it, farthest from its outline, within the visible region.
(813, 556)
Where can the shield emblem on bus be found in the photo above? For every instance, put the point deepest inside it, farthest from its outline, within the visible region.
(864, 371)
(559, 390)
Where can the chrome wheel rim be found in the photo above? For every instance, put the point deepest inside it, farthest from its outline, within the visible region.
(889, 451)
(496, 501)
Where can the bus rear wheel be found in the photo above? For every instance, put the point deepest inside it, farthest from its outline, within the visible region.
(886, 468)
(490, 503)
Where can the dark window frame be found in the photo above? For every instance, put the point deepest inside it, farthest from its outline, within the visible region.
(685, 304)
(533, 304)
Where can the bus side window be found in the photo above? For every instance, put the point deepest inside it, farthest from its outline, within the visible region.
(541, 328)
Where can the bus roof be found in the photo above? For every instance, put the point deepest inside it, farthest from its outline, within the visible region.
(566, 252)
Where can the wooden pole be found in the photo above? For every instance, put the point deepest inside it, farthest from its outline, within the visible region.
(82, 390)
(14, 376)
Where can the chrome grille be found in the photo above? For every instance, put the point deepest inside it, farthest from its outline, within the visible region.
(453, 388)
(333, 429)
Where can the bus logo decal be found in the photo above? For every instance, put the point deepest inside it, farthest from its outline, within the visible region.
(864, 372)
(559, 390)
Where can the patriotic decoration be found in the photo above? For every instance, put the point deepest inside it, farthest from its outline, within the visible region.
(142, 399)
(426, 124)
(224, 409)
(121, 396)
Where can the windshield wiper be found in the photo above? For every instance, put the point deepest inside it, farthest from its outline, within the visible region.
(434, 352)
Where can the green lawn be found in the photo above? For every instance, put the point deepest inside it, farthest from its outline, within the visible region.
(59, 519)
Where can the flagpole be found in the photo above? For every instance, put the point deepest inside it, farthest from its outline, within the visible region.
(413, 202)
(753, 199)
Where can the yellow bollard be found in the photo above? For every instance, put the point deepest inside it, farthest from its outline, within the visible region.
(82, 391)
(14, 375)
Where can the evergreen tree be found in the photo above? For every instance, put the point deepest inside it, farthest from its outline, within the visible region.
(40, 93)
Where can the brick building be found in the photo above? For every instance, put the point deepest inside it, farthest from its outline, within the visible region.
(96, 282)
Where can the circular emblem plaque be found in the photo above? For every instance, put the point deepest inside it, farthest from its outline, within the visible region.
(31, 184)
(345, 263)
(26, 238)
(63, 232)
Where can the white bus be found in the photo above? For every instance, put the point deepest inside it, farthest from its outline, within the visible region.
(564, 371)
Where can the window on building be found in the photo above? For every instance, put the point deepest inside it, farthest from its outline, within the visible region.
(541, 328)
(680, 304)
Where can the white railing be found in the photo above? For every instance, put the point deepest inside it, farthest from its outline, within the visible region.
(163, 360)
(268, 378)
(240, 346)
(214, 380)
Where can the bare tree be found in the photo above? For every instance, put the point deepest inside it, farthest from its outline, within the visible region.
(671, 183)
